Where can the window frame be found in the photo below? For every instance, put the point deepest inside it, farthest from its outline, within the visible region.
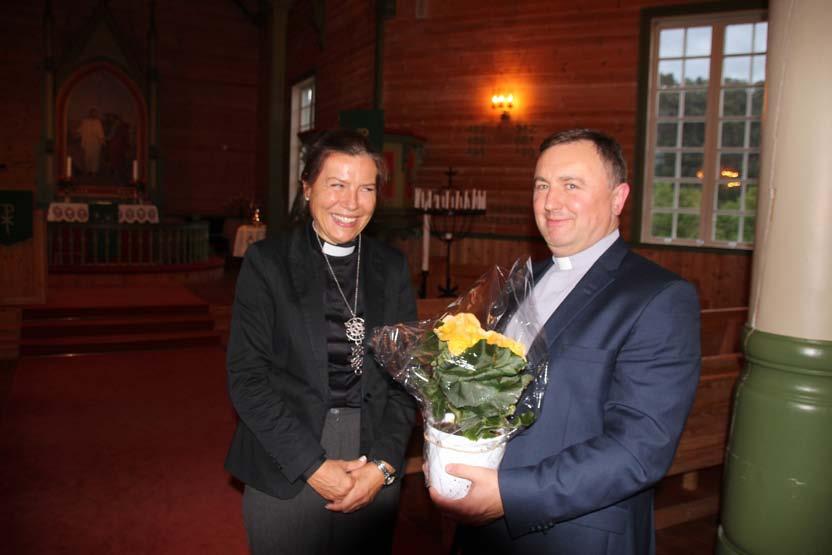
(296, 129)
(652, 19)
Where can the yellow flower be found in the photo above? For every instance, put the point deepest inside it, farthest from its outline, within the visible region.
(463, 330)
(494, 338)
(460, 332)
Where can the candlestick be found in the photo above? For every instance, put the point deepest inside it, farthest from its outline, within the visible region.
(425, 242)
(69, 167)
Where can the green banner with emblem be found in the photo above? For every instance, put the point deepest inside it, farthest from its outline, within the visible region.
(15, 216)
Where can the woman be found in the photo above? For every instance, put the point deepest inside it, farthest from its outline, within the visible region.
(322, 429)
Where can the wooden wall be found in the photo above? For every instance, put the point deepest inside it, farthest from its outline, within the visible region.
(568, 65)
(341, 58)
(208, 99)
(23, 267)
(20, 99)
(722, 280)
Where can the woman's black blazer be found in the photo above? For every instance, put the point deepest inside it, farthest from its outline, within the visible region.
(277, 362)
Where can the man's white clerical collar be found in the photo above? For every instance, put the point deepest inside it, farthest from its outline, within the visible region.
(586, 257)
(562, 262)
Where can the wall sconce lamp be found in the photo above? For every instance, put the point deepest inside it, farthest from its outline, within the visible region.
(504, 103)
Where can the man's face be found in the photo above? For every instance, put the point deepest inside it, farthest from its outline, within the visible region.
(574, 204)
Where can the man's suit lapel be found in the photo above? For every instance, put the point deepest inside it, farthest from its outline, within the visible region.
(599, 276)
(308, 285)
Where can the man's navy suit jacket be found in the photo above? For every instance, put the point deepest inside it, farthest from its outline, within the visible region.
(624, 361)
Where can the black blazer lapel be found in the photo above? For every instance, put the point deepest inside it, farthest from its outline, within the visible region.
(599, 276)
(308, 286)
(373, 291)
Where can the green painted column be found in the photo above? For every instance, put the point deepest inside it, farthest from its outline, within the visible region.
(46, 165)
(777, 491)
(277, 185)
(152, 168)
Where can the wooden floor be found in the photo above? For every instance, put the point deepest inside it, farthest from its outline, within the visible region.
(420, 529)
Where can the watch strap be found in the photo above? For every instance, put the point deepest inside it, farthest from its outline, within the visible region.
(389, 477)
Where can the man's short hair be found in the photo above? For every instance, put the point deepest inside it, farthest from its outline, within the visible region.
(608, 149)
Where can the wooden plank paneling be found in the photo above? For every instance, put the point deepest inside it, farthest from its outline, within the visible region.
(568, 65)
(26, 283)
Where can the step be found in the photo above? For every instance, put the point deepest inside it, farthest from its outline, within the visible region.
(124, 342)
(122, 325)
(48, 313)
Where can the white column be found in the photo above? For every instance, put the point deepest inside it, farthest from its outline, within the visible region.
(792, 275)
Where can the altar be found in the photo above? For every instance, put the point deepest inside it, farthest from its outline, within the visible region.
(80, 212)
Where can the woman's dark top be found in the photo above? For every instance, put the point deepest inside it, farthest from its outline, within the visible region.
(344, 384)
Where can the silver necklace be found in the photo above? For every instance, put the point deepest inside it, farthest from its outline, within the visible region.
(355, 325)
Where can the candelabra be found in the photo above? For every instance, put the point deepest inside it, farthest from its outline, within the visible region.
(65, 187)
(138, 192)
(65, 182)
(453, 210)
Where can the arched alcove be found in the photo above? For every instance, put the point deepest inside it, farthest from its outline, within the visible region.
(101, 124)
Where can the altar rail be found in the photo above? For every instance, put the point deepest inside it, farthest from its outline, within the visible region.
(71, 244)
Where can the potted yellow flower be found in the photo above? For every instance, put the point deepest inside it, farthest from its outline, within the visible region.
(469, 381)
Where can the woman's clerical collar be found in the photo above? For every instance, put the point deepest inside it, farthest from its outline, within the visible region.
(339, 250)
(344, 249)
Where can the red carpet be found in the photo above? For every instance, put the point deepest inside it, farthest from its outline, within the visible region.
(119, 454)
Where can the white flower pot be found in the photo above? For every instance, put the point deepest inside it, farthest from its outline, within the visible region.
(442, 449)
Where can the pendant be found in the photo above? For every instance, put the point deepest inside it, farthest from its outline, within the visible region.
(357, 359)
(355, 329)
(355, 333)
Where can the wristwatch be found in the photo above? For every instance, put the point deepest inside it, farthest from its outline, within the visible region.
(389, 477)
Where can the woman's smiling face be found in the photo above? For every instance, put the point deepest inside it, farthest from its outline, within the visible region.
(342, 198)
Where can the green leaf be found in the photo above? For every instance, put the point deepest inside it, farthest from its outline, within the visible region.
(480, 387)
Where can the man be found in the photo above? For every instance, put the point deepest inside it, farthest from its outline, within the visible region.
(623, 338)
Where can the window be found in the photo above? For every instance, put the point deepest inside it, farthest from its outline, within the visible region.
(303, 119)
(702, 151)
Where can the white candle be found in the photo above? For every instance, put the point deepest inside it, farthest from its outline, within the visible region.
(466, 202)
(484, 199)
(135, 171)
(69, 167)
(425, 242)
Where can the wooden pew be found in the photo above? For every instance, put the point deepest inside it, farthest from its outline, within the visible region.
(690, 490)
(722, 330)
